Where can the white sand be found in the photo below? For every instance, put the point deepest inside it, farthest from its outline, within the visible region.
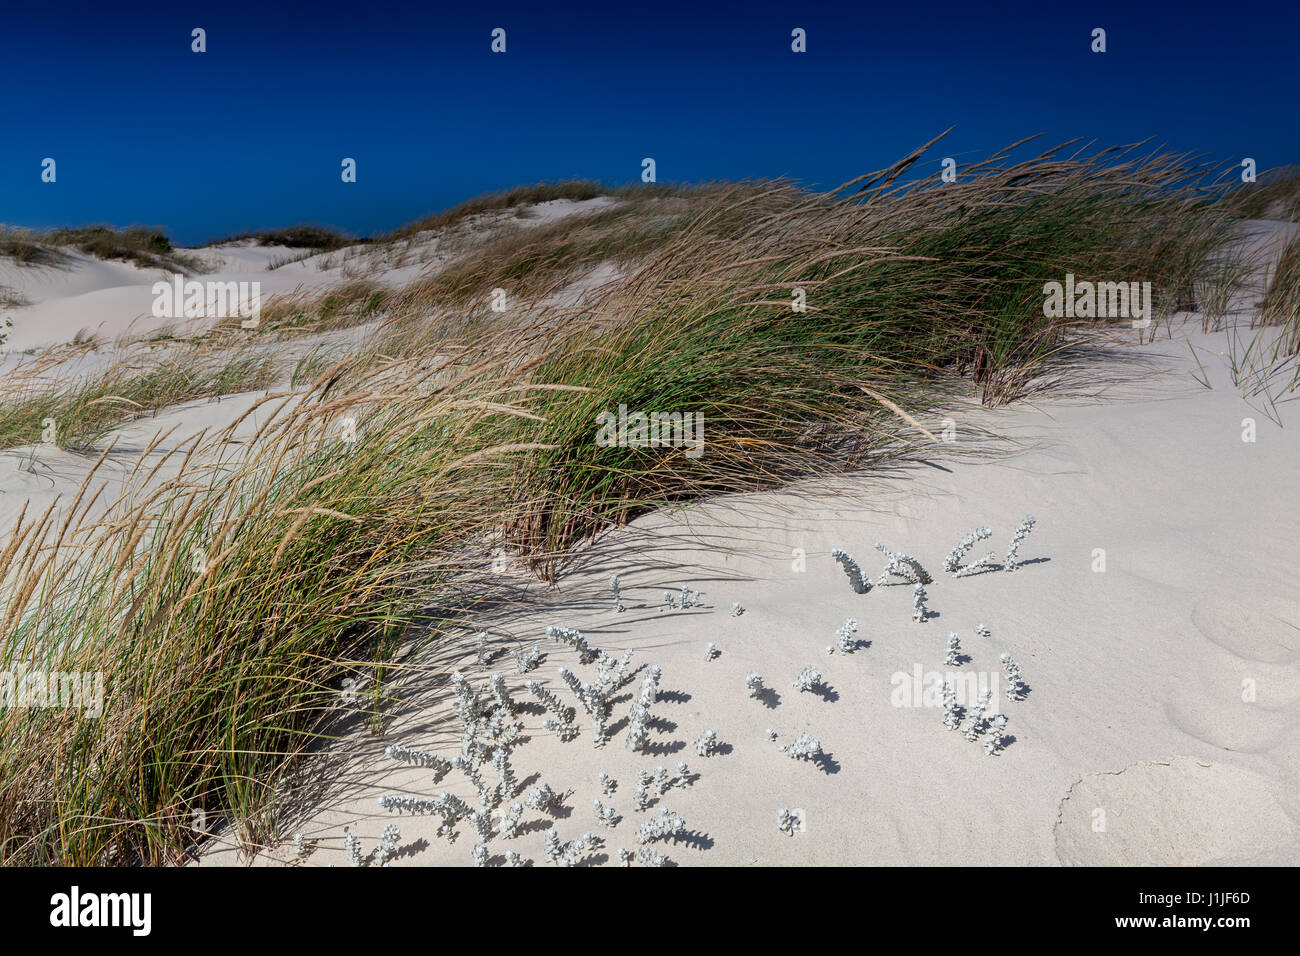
(112, 299)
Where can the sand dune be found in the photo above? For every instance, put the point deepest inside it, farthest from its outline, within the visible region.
(1159, 723)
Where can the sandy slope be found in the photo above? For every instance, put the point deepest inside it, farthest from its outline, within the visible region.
(111, 299)
(1133, 745)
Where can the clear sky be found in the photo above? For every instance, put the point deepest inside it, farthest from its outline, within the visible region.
(251, 133)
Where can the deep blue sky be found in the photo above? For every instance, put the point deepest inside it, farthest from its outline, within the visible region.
(251, 134)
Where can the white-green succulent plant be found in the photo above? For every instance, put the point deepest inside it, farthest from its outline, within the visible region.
(607, 783)
(786, 821)
(386, 847)
(951, 717)
(975, 720)
(953, 657)
(1011, 670)
(902, 565)
(807, 679)
(845, 641)
(805, 747)
(1013, 550)
(539, 797)
(526, 661)
(418, 758)
(920, 612)
(604, 814)
(574, 639)
(952, 563)
(707, 743)
(851, 568)
(664, 825)
(994, 736)
(510, 819)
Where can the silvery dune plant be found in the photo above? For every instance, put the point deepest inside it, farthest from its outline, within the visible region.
(550, 701)
(975, 721)
(614, 592)
(647, 856)
(497, 684)
(574, 639)
(568, 854)
(710, 651)
(481, 823)
(1012, 672)
(662, 826)
(851, 568)
(845, 641)
(466, 702)
(807, 679)
(638, 728)
(650, 687)
(641, 799)
(471, 747)
(1013, 550)
(418, 758)
(526, 661)
(514, 859)
(952, 563)
(481, 649)
(604, 814)
(950, 713)
(902, 565)
(607, 783)
(736, 609)
(919, 611)
(539, 797)
(753, 684)
(480, 855)
(683, 776)
(660, 781)
(487, 795)
(786, 821)
(805, 747)
(509, 784)
(993, 737)
(707, 743)
(352, 847)
(612, 674)
(510, 819)
(953, 657)
(387, 845)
